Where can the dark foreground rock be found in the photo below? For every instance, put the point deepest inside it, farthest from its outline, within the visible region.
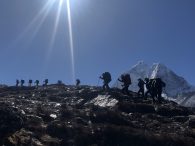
(10, 120)
(85, 116)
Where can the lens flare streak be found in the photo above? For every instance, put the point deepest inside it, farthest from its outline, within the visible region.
(41, 22)
(42, 15)
(43, 11)
(51, 44)
(71, 39)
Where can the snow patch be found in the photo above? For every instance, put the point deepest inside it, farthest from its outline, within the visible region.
(104, 101)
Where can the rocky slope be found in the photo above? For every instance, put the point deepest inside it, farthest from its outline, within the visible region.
(82, 116)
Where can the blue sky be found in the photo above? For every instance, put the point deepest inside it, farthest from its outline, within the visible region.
(108, 35)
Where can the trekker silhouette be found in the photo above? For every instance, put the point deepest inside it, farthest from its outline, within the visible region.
(126, 80)
(148, 87)
(106, 77)
(156, 88)
(141, 84)
(37, 83)
(78, 82)
(17, 83)
(59, 82)
(45, 82)
(22, 83)
(30, 83)
(159, 84)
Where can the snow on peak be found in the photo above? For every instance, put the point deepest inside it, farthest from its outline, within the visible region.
(140, 70)
(175, 85)
(157, 69)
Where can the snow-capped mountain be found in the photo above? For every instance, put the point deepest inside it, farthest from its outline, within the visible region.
(176, 86)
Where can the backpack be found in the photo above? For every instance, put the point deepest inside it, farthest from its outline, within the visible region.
(151, 84)
(127, 79)
(141, 83)
(107, 76)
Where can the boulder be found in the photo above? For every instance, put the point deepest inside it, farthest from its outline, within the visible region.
(11, 120)
(136, 107)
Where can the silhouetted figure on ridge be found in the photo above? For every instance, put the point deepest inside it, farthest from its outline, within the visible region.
(30, 83)
(78, 82)
(22, 83)
(45, 82)
(157, 87)
(59, 82)
(148, 83)
(126, 80)
(141, 84)
(17, 83)
(37, 83)
(106, 77)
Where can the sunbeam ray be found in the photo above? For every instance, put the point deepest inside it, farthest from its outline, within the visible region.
(53, 37)
(71, 39)
(33, 22)
(41, 22)
(51, 44)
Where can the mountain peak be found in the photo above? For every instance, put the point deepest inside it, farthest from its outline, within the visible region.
(140, 64)
(141, 67)
(175, 85)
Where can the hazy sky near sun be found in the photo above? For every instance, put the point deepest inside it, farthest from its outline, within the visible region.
(108, 35)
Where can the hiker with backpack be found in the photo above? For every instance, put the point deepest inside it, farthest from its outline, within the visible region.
(37, 83)
(148, 83)
(45, 82)
(30, 83)
(22, 83)
(141, 84)
(158, 86)
(78, 82)
(126, 80)
(106, 77)
(17, 83)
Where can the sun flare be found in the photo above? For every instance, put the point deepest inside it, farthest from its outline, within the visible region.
(38, 21)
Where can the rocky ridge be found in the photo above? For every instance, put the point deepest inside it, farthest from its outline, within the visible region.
(62, 115)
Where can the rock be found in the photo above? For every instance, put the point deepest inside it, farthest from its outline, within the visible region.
(182, 119)
(136, 107)
(108, 116)
(171, 111)
(90, 116)
(50, 141)
(34, 120)
(11, 120)
(191, 121)
(22, 137)
(60, 129)
(80, 120)
(104, 101)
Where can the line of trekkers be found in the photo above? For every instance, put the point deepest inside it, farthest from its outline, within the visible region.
(154, 87)
(45, 82)
(30, 82)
